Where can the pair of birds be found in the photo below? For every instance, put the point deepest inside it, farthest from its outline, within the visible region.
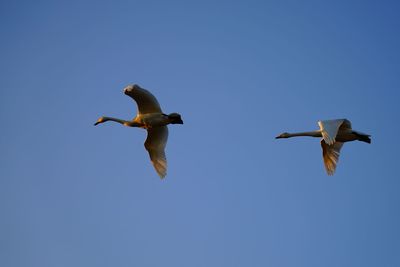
(150, 117)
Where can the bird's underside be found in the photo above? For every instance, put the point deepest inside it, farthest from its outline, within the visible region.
(151, 118)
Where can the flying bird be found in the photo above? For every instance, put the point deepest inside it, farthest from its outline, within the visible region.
(334, 134)
(151, 118)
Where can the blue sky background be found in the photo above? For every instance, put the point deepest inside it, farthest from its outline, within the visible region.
(240, 73)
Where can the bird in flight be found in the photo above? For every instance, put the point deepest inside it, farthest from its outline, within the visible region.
(151, 118)
(334, 134)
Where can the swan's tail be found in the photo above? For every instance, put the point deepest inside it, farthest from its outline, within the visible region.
(364, 138)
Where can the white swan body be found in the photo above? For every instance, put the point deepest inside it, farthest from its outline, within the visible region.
(334, 133)
(151, 118)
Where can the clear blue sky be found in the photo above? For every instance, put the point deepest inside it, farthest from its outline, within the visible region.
(239, 72)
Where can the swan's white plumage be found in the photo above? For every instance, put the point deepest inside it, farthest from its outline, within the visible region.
(330, 128)
(149, 111)
(146, 102)
(330, 155)
(151, 118)
(155, 145)
(331, 148)
(334, 134)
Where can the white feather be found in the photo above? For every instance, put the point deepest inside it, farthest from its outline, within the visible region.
(329, 129)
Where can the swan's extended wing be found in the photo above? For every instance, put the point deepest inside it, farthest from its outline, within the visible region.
(155, 145)
(330, 154)
(330, 128)
(146, 102)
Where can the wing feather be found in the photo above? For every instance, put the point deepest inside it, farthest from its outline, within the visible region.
(330, 154)
(146, 101)
(155, 144)
(330, 128)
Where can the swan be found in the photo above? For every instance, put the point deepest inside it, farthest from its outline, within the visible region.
(334, 134)
(151, 118)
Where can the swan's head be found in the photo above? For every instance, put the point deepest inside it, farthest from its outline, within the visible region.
(175, 118)
(130, 88)
(282, 135)
(100, 120)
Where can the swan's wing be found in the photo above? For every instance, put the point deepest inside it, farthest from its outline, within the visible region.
(330, 154)
(155, 145)
(146, 102)
(330, 128)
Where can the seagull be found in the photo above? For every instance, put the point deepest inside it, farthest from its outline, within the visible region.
(151, 118)
(334, 134)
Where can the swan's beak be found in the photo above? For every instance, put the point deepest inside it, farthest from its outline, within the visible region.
(282, 135)
(99, 121)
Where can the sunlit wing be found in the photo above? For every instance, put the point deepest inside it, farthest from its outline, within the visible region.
(330, 128)
(330, 154)
(146, 102)
(155, 145)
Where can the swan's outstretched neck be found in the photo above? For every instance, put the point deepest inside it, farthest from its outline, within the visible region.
(312, 134)
(104, 119)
